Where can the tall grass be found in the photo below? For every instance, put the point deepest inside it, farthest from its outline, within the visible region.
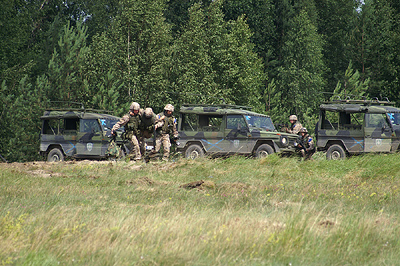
(273, 211)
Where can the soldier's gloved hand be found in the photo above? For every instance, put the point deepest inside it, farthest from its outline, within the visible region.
(113, 133)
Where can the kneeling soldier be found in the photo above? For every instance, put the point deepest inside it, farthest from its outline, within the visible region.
(305, 144)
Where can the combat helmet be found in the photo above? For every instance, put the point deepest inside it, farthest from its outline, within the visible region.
(148, 112)
(169, 107)
(134, 106)
(293, 117)
(303, 130)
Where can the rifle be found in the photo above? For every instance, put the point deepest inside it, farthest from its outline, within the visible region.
(299, 144)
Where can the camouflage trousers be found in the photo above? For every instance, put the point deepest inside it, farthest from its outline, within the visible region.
(307, 154)
(136, 148)
(162, 139)
(142, 145)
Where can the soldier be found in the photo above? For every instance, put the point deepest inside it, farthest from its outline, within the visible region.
(131, 121)
(147, 121)
(165, 124)
(295, 125)
(305, 144)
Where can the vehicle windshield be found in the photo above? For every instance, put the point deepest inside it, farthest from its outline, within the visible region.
(262, 122)
(108, 124)
(394, 118)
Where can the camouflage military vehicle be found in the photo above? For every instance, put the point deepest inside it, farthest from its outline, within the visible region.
(357, 126)
(229, 129)
(76, 133)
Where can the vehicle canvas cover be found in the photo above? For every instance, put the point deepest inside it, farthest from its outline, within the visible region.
(78, 133)
(353, 108)
(364, 126)
(225, 139)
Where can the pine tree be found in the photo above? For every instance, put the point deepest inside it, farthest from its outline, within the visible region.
(192, 73)
(22, 105)
(66, 75)
(260, 16)
(352, 85)
(335, 20)
(239, 71)
(300, 76)
(136, 49)
(379, 48)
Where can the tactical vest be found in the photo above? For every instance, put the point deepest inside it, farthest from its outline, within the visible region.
(147, 123)
(168, 125)
(133, 125)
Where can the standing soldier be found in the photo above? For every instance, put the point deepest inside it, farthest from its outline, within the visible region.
(147, 121)
(306, 144)
(131, 121)
(295, 125)
(165, 124)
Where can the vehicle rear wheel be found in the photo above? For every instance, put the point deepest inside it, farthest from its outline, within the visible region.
(55, 155)
(194, 151)
(335, 152)
(264, 150)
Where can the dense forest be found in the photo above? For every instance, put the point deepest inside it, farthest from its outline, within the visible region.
(280, 57)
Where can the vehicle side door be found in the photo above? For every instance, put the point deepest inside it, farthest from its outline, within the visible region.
(377, 133)
(211, 132)
(89, 138)
(236, 134)
(70, 135)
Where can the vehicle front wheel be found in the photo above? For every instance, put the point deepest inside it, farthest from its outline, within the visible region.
(264, 150)
(194, 151)
(55, 155)
(335, 152)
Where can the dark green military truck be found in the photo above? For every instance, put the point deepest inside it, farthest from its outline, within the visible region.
(229, 129)
(357, 126)
(75, 133)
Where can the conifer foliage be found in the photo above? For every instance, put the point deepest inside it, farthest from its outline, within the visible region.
(278, 56)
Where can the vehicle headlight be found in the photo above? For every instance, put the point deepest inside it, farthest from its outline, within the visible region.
(284, 140)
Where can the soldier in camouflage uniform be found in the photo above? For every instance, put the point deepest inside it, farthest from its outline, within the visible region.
(131, 121)
(307, 147)
(147, 121)
(295, 125)
(165, 124)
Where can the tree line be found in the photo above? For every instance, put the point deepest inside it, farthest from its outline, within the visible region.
(280, 57)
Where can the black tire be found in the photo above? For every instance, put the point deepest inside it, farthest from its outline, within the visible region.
(264, 150)
(55, 155)
(335, 152)
(194, 151)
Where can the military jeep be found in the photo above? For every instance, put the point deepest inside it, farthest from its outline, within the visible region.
(229, 129)
(347, 127)
(76, 133)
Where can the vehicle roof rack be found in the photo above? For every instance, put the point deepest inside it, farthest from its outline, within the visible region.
(364, 102)
(220, 106)
(74, 106)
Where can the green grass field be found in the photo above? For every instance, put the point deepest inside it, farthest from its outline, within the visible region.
(273, 211)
